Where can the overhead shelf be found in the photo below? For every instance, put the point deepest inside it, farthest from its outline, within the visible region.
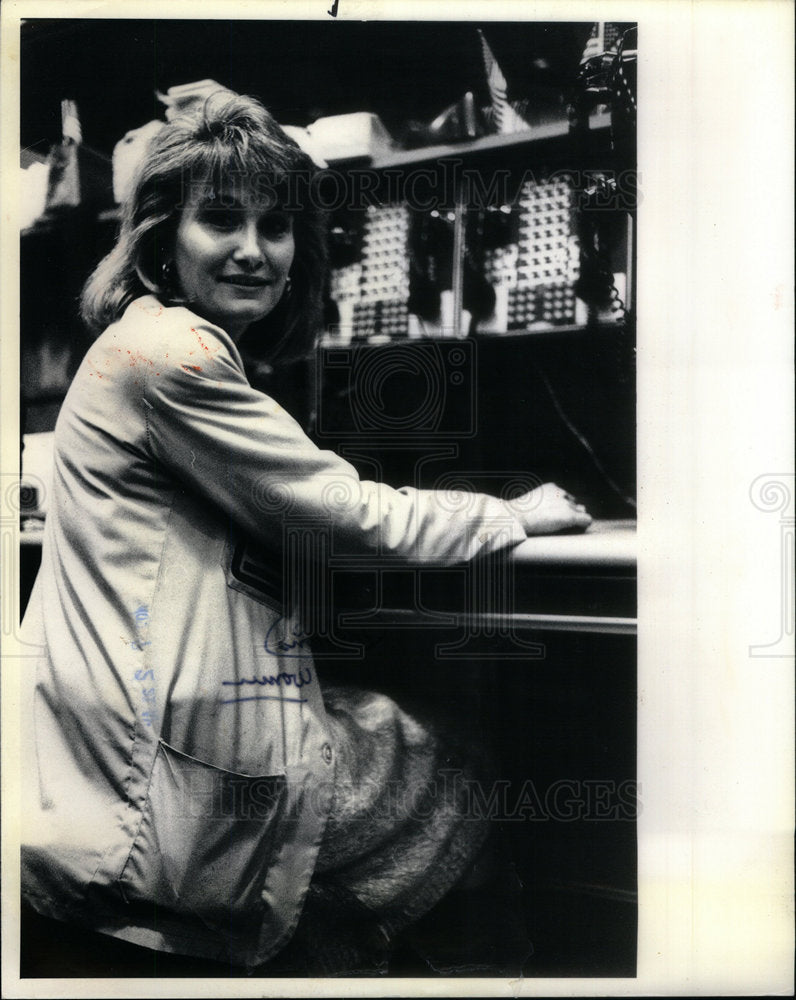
(487, 143)
(598, 328)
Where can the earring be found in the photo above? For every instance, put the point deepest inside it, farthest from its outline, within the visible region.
(288, 287)
(167, 275)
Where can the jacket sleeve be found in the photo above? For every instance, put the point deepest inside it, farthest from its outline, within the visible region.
(213, 431)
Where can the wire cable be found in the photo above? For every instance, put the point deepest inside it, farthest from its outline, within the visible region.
(585, 443)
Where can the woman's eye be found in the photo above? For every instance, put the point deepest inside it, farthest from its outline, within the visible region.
(273, 226)
(276, 225)
(220, 218)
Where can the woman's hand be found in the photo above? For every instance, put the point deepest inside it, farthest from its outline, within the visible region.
(549, 509)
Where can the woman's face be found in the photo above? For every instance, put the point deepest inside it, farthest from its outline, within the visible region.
(232, 257)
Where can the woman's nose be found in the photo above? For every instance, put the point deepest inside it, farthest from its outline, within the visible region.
(248, 247)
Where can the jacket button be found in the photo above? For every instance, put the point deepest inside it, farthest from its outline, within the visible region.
(326, 752)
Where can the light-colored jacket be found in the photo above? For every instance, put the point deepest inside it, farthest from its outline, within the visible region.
(181, 768)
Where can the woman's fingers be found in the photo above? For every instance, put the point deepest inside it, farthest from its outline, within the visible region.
(565, 495)
(548, 509)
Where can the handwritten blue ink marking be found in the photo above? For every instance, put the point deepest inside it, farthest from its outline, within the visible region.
(262, 697)
(299, 680)
(149, 715)
(283, 647)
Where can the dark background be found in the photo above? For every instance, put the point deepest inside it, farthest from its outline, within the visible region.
(301, 70)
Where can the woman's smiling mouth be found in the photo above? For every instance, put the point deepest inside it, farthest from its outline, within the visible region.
(245, 280)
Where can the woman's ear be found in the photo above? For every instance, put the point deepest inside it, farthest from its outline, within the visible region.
(167, 277)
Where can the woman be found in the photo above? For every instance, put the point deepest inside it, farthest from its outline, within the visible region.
(196, 791)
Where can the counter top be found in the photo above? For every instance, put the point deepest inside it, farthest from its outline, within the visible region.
(604, 544)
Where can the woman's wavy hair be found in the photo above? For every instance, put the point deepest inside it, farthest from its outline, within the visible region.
(229, 137)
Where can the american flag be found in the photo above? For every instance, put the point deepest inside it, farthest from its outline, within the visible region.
(70, 122)
(505, 117)
(596, 43)
(605, 36)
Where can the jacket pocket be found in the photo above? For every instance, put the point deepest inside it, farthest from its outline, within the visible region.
(206, 839)
(255, 572)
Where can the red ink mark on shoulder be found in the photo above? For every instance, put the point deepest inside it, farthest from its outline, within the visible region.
(149, 309)
(202, 344)
(192, 368)
(139, 357)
